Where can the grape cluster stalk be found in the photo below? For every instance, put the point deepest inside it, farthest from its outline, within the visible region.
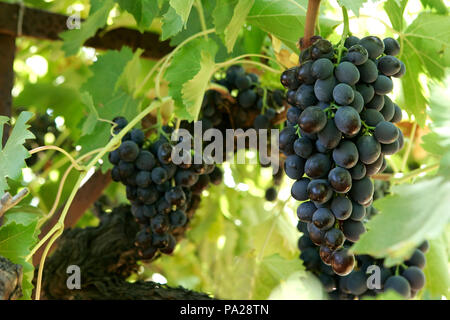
(406, 278)
(164, 196)
(339, 129)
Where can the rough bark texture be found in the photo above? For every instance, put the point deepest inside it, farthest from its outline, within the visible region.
(7, 53)
(42, 24)
(107, 257)
(10, 280)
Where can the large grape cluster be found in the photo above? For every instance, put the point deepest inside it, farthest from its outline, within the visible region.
(339, 129)
(163, 196)
(406, 278)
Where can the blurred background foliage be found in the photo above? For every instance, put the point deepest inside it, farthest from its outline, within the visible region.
(239, 246)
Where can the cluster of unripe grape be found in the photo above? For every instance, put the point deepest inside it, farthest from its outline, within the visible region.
(406, 278)
(339, 129)
(163, 195)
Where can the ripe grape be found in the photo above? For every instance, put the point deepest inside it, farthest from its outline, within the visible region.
(342, 208)
(322, 68)
(369, 149)
(347, 72)
(347, 120)
(374, 46)
(342, 261)
(294, 166)
(399, 284)
(353, 229)
(415, 277)
(340, 180)
(312, 119)
(299, 189)
(357, 55)
(343, 94)
(389, 65)
(323, 218)
(329, 136)
(334, 238)
(303, 147)
(391, 46)
(128, 151)
(346, 154)
(386, 132)
(319, 191)
(305, 211)
(383, 85)
(368, 71)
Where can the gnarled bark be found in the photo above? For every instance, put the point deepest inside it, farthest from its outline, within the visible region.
(10, 280)
(106, 257)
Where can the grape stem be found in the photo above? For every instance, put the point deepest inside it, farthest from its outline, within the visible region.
(367, 127)
(344, 34)
(310, 25)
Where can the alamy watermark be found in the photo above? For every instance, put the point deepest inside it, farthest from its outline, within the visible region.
(374, 280)
(212, 147)
(74, 20)
(74, 279)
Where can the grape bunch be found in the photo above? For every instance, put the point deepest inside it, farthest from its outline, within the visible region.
(251, 106)
(41, 125)
(406, 278)
(163, 196)
(339, 129)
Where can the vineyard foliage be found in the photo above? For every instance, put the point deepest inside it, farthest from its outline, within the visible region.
(239, 246)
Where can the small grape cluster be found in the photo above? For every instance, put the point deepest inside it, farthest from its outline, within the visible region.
(251, 106)
(40, 126)
(406, 278)
(339, 129)
(163, 196)
(254, 106)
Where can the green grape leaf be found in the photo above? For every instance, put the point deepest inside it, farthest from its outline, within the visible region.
(143, 11)
(63, 99)
(193, 91)
(229, 17)
(182, 8)
(395, 9)
(437, 5)
(271, 270)
(109, 88)
(172, 24)
(353, 5)
(74, 39)
(412, 213)
(192, 65)
(438, 141)
(92, 118)
(16, 241)
(13, 154)
(106, 72)
(128, 79)
(436, 271)
(24, 215)
(285, 20)
(299, 286)
(425, 50)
